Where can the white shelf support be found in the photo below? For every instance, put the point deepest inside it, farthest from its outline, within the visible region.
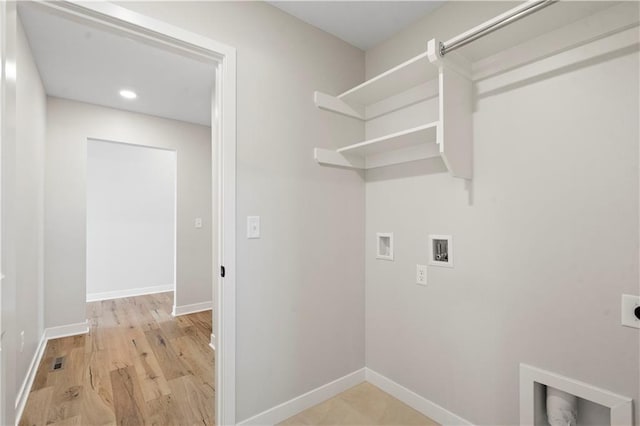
(455, 133)
(334, 104)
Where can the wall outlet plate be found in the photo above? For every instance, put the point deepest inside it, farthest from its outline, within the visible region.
(421, 274)
(629, 311)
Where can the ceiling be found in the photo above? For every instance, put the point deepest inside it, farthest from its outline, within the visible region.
(362, 24)
(365, 24)
(86, 63)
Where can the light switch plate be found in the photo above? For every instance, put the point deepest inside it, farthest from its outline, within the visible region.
(629, 305)
(253, 226)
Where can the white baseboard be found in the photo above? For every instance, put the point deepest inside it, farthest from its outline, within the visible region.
(212, 342)
(47, 334)
(415, 401)
(191, 309)
(292, 407)
(118, 294)
(23, 393)
(66, 330)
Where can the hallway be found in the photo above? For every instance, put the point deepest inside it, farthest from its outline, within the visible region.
(137, 365)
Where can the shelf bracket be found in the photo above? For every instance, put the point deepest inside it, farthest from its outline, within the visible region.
(455, 134)
(453, 60)
(333, 158)
(334, 104)
(433, 51)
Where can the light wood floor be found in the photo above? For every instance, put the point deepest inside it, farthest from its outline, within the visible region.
(137, 366)
(140, 366)
(363, 404)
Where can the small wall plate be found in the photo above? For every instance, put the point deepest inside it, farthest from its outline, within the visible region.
(630, 304)
(441, 250)
(384, 245)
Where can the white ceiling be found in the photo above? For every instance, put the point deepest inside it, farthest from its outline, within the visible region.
(365, 24)
(362, 24)
(86, 63)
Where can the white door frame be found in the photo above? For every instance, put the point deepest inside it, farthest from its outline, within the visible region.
(8, 17)
(224, 133)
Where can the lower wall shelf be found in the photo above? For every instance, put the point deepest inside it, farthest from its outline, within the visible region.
(417, 143)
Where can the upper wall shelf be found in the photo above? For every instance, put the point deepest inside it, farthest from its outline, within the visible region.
(395, 90)
(408, 145)
(408, 74)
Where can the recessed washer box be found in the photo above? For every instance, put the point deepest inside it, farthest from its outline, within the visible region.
(384, 245)
(441, 250)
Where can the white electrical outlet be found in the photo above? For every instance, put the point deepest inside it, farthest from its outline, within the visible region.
(22, 341)
(197, 222)
(630, 310)
(421, 274)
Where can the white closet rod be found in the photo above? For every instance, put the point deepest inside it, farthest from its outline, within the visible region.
(493, 24)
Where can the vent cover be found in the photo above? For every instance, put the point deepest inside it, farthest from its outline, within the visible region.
(58, 363)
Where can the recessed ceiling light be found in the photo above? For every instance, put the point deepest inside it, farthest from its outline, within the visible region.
(128, 94)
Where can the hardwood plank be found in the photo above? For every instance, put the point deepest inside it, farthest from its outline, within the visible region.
(145, 321)
(130, 408)
(71, 421)
(202, 320)
(40, 379)
(159, 314)
(196, 400)
(169, 362)
(197, 358)
(150, 375)
(97, 405)
(165, 410)
(37, 407)
(94, 310)
(117, 349)
(127, 311)
(184, 321)
(171, 329)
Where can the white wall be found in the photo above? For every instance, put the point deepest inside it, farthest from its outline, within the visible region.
(543, 251)
(29, 204)
(69, 125)
(131, 204)
(300, 287)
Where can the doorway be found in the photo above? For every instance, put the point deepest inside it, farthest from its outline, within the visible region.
(131, 220)
(128, 24)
